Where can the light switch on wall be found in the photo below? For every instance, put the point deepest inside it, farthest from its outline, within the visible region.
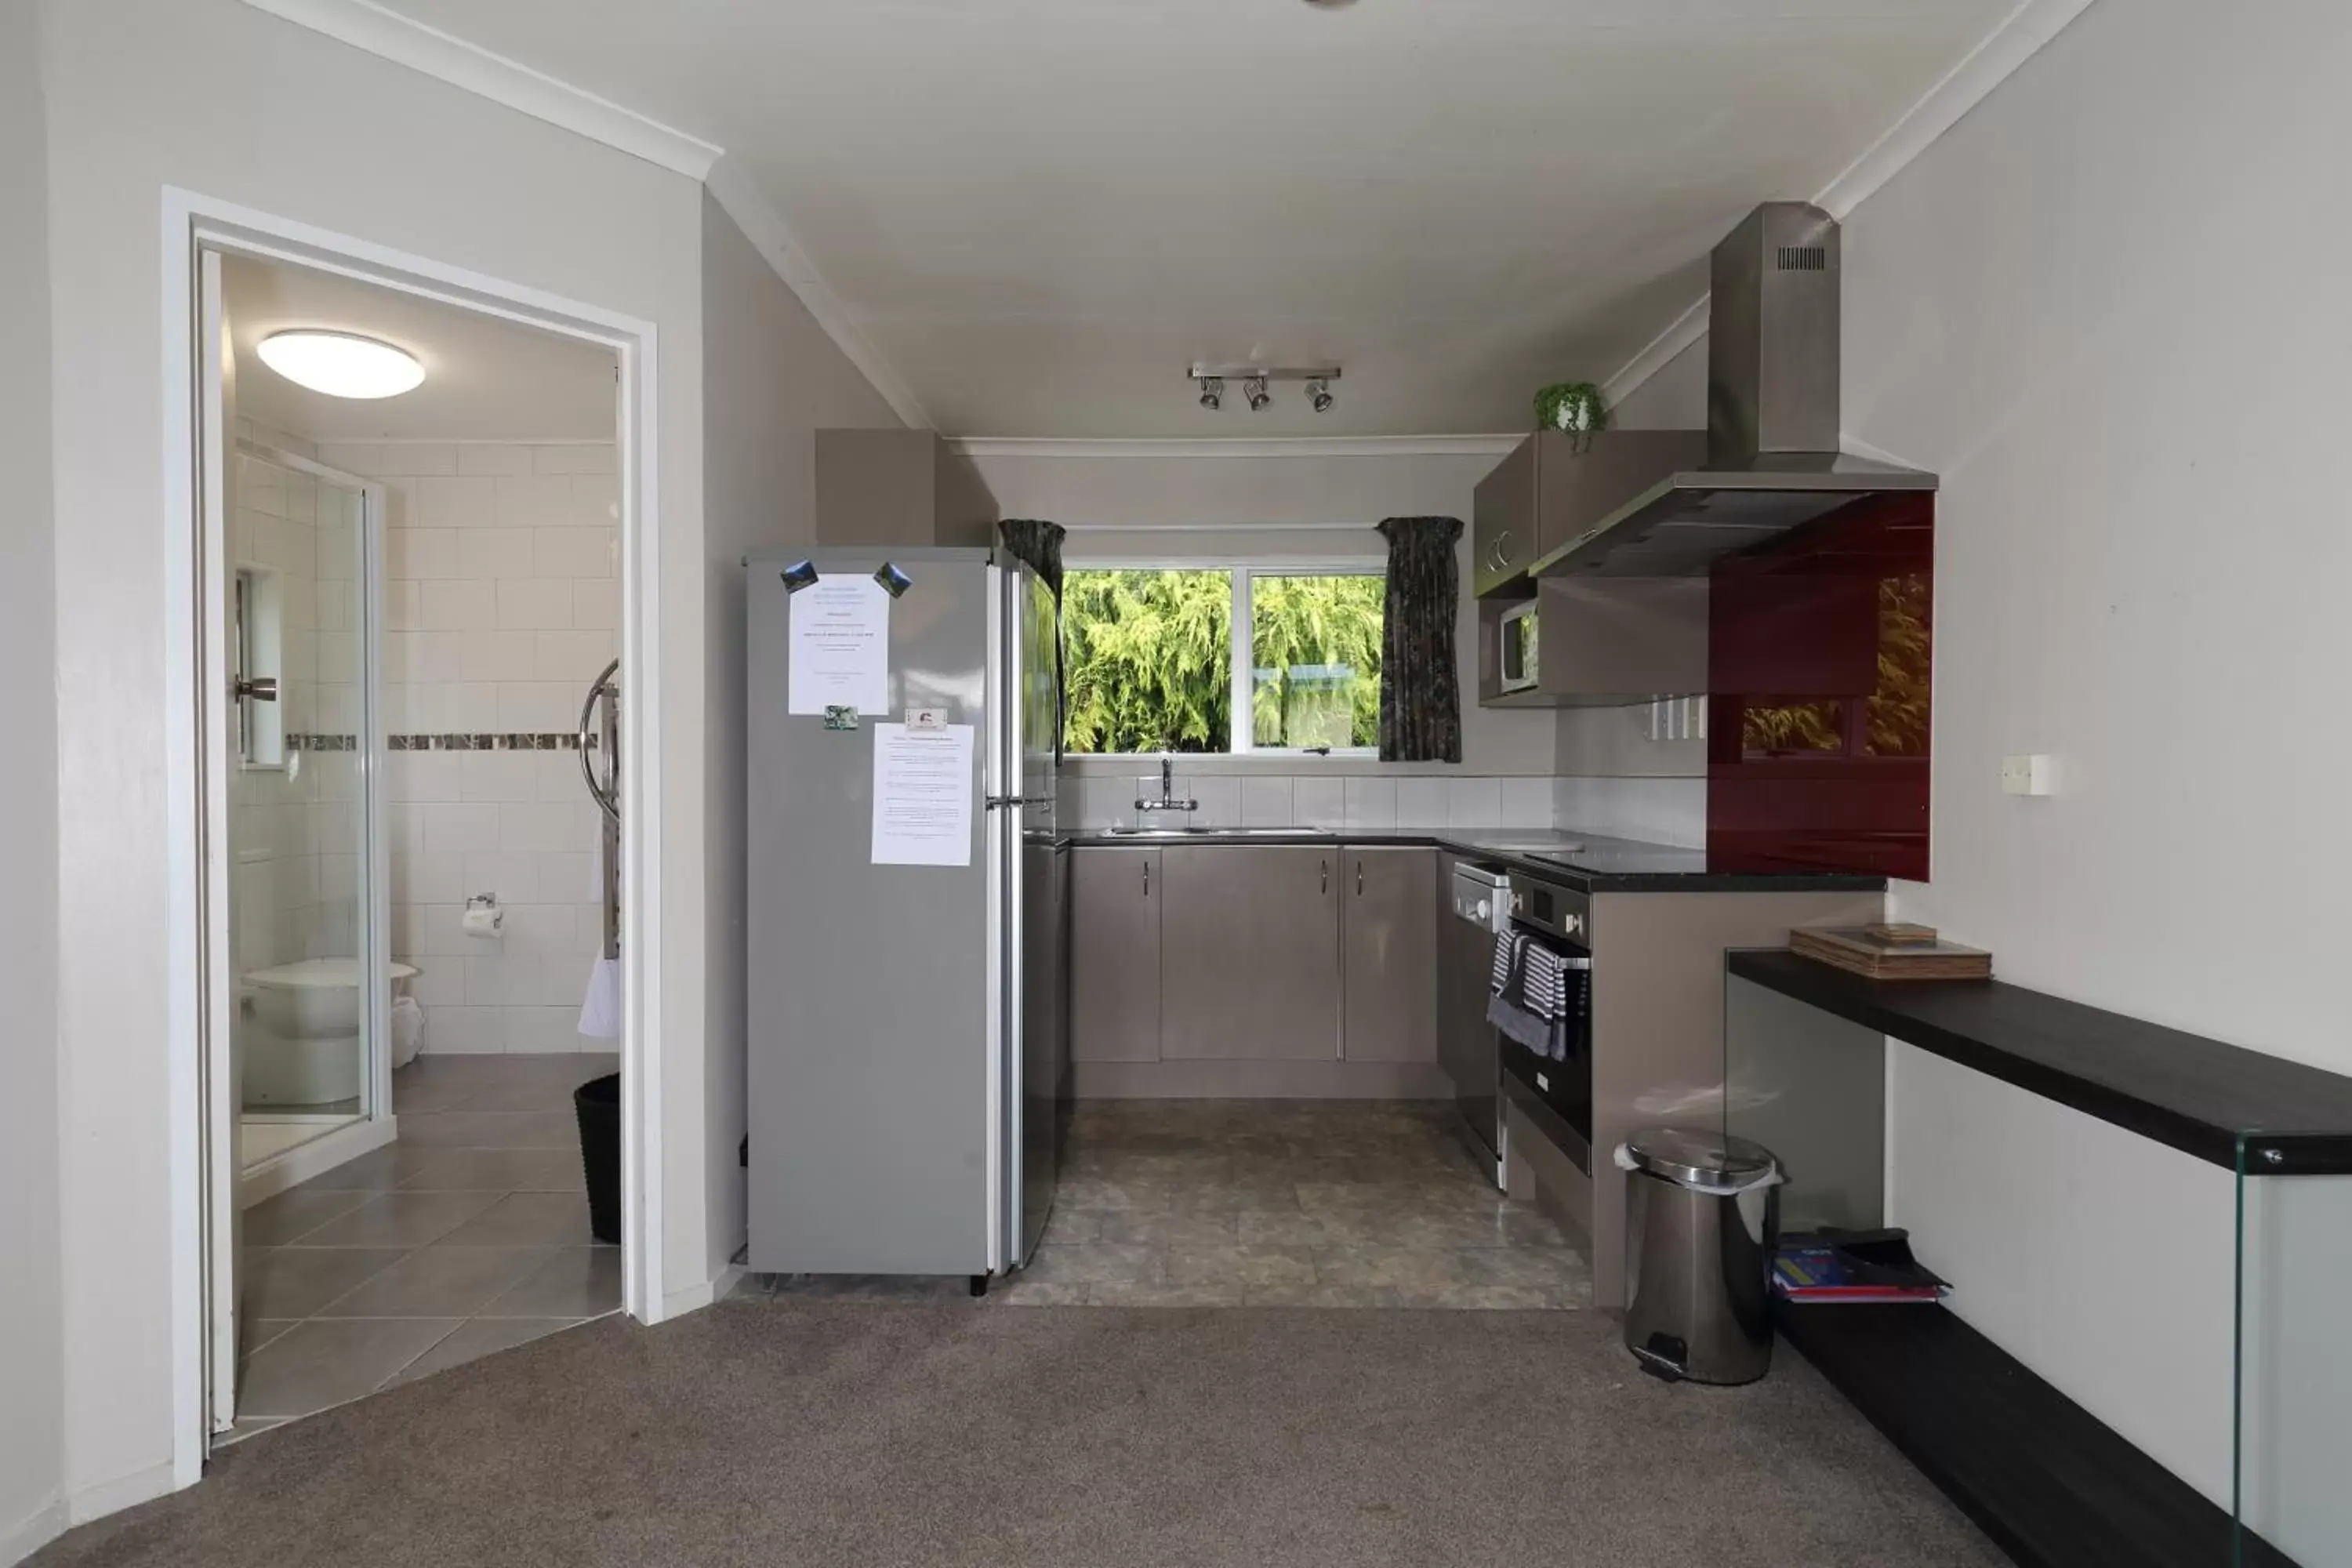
(2031, 775)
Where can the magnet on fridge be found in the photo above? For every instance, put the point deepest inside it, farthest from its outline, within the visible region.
(894, 582)
(798, 575)
(927, 717)
(838, 717)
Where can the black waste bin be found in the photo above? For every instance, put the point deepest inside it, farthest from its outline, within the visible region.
(598, 1103)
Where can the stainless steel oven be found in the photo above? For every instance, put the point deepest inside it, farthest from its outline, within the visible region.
(1516, 647)
(1554, 1086)
(1465, 1041)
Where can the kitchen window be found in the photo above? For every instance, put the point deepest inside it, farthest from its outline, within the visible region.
(1223, 659)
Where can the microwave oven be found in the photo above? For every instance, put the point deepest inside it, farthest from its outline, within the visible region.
(1516, 647)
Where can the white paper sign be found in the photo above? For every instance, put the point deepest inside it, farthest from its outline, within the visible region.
(922, 795)
(841, 647)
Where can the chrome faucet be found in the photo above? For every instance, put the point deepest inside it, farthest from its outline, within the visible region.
(1167, 801)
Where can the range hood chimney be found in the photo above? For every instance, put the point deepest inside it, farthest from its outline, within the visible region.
(1772, 418)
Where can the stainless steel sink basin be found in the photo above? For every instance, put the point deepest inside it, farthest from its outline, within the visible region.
(1206, 832)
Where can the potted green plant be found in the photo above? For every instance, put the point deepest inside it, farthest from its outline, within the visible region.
(1574, 408)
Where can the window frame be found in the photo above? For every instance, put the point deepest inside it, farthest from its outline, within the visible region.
(1241, 670)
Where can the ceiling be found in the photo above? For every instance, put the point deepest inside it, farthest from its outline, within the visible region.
(1041, 212)
(484, 379)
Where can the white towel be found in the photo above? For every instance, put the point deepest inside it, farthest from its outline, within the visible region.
(600, 1015)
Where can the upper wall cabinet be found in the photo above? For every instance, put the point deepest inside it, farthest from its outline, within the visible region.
(901, 487)
(1552, 486)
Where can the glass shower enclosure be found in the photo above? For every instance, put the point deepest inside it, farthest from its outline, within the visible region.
(306, 927)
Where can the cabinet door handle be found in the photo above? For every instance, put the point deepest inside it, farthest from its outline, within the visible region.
(1359, 879)
(1146, 879)
(1503, 548)
(1327, 875)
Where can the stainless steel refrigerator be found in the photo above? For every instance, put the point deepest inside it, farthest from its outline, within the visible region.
(906, 1069)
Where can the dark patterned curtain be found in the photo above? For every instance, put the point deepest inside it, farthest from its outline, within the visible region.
(1421, 698)
(1038, 545)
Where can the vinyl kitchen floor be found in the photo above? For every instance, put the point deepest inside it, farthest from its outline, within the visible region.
(1269, 1203)
(468, 1236)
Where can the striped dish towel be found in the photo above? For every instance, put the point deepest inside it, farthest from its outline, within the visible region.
(1511, 948)
(1544, 988)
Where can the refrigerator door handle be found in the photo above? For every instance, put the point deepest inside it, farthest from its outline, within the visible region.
(994, 801)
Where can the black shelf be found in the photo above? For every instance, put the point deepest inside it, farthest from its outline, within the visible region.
(2195, 1094)
(2053, 1484)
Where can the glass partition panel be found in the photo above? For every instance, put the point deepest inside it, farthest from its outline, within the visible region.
(1811, 1088)
(2294, 1481)
(298, 866)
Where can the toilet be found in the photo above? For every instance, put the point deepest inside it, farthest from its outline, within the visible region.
(302, 1045)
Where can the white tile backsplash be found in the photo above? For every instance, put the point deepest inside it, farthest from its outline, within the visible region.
(1421, 802)
(1320, 802)
(1268, 801)
(1474, 803)
(1525, 801)
(1660, 810)
(1219, 795)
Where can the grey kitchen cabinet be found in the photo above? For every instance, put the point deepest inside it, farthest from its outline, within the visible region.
(1114, 935)
(1249, 949)
(1552, 486)
(1390, 957)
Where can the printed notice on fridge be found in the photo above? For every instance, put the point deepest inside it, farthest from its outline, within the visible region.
(922, 795)
(841, 647)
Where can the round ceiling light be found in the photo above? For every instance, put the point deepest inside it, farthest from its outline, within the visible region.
(341, 364)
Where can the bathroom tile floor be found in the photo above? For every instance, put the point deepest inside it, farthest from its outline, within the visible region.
(468, 1236)
(1269, 1203)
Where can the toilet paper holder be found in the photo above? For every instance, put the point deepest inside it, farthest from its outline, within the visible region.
(483, 916)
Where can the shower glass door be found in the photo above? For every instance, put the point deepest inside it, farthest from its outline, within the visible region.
(304, 938)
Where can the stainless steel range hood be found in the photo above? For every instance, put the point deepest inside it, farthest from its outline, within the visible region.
(1774, 462)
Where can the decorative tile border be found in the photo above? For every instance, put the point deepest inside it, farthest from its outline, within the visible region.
(543, 741)
(323, 742)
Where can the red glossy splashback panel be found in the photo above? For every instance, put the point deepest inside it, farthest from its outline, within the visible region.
(1819, 652)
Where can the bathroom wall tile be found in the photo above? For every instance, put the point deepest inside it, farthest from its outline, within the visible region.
(1474, 803)
(537, 930)
(576, 458)
(570, 876)
(533, 706)
(505, 978)
(534, 603)
(399, 458)
(430, 878)
(1219, 795)
(499, 552)
(534, 503)
(572, 553)
(404, 606)
(564, 976)
(573, 657)
(491, 457)
(596, 604)
(364, 459)
(499, 656)
(460, 604)
(544, 826)
(596, 499)
(1525, 801)
(419, 554)
(456, 502)
(471, 708)
(1268, 801)
(438, 983)
(461, 827)
(543, 1030)
(1371, 803)
(1320, 801)
(468, 1031)
(497, 775)
(1421, 802)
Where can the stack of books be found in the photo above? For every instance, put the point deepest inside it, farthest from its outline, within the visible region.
(1852, 1266)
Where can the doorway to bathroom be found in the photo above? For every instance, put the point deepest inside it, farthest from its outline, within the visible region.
(415, 508)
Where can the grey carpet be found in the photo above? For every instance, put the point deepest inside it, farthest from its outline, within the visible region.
(846, 1435)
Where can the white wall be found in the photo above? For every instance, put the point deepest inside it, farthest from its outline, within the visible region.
(1172, 507)
(2106, 307)
(771, 379)
(502, 601)
(218, 97)
(32, 1324)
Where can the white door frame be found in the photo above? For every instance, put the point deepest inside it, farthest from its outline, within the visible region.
(196, 795)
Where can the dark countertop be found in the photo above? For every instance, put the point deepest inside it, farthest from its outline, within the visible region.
(1588, 862)
(2198, 1095)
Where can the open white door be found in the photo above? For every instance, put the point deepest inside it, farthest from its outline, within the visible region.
(216, 713)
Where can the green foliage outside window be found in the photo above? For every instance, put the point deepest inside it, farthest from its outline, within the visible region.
(1149, 661)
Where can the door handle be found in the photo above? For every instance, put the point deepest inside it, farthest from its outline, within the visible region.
(1327, 875)
(262, 689)
(1359, 879)
(1146, 879)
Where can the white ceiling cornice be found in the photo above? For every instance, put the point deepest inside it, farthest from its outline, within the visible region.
(364, 24)
(1261, 446)
(764, 227)
(2034, 23)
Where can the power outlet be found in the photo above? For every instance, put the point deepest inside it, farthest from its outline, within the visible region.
(2031, 775)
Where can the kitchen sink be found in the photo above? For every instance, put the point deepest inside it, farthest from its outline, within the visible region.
(1208, 832)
